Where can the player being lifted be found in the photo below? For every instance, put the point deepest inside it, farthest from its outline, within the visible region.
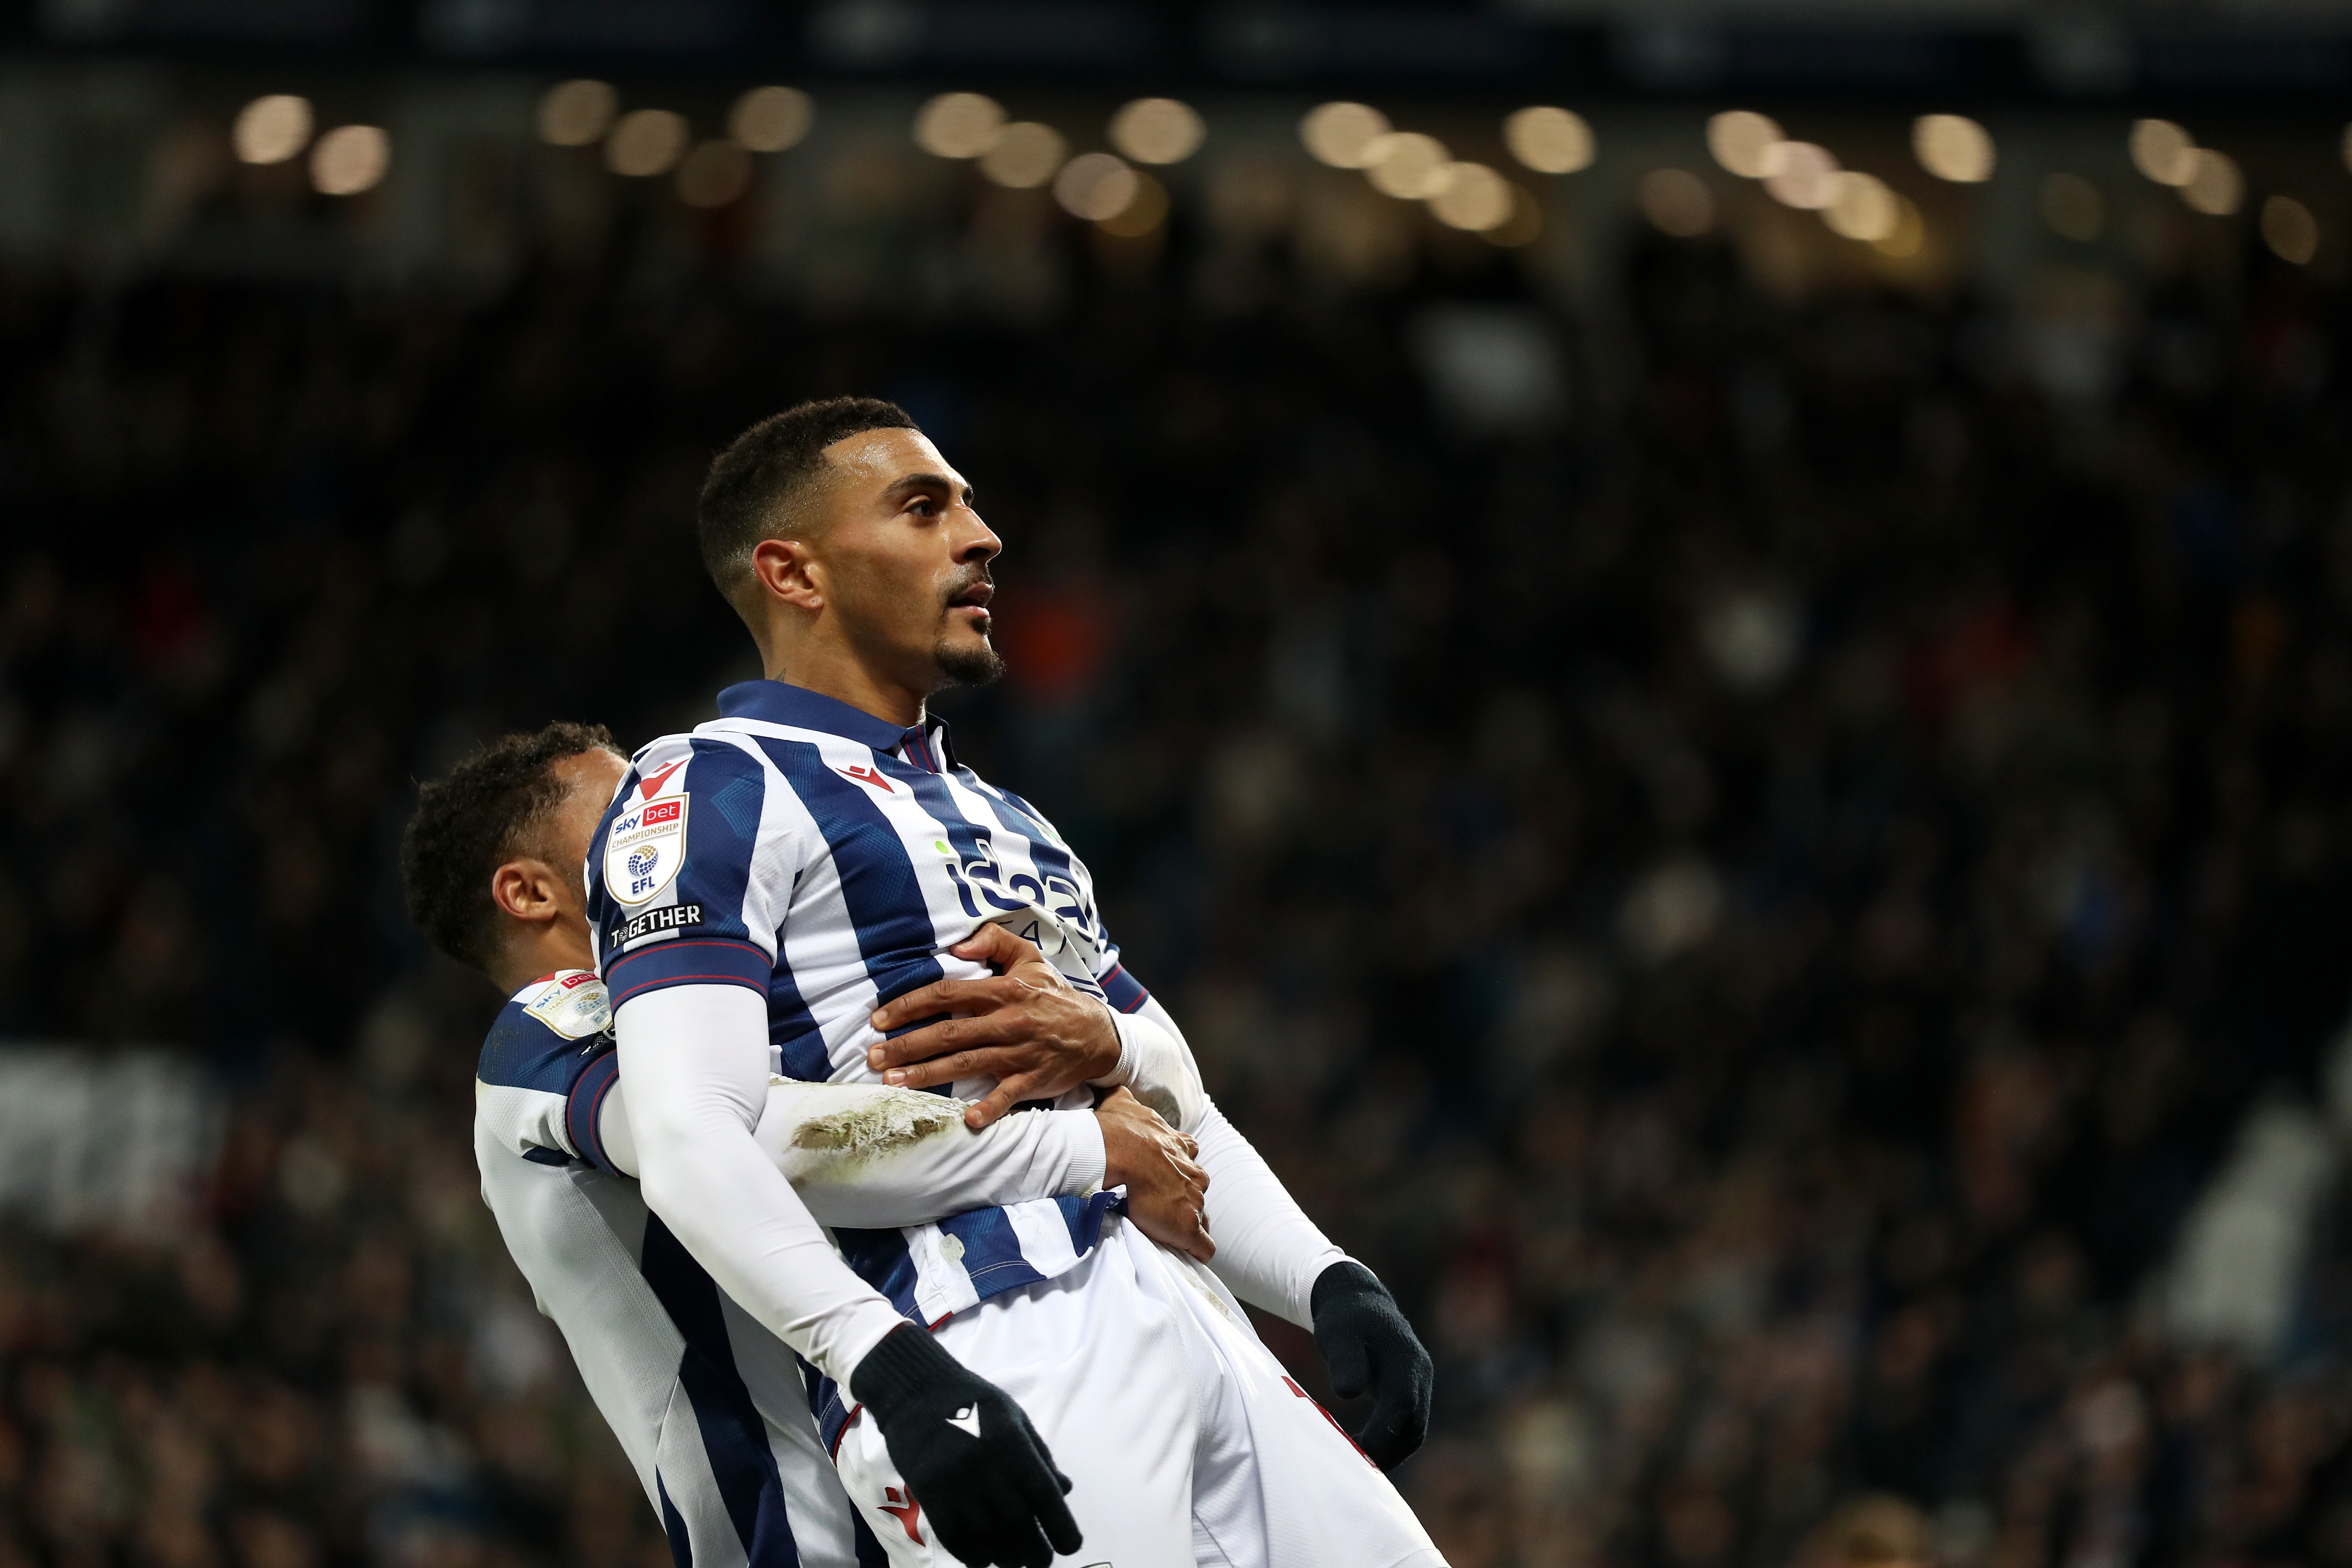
(710, 1407)
(805, 875)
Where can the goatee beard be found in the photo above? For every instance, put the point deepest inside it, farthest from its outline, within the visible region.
(967, 666)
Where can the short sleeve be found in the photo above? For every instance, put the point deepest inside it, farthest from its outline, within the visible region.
(682, 883)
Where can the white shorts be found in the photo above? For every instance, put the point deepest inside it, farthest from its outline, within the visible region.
(1187, 1442)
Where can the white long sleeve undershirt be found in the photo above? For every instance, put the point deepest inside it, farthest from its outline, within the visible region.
(1268, 1252)
(696, 1060)
(869, 1155)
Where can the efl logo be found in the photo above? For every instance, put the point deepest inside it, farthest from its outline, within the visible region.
(646, 851)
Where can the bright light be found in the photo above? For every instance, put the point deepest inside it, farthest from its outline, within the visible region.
(2214, 184)
(1408, 166)
(1341, 134)
(576, 113)
(1095, 186)
(1142, 213)
(2163, 152)
(1910, 231)
(2072, 207)
(273, 129)
(1862, 206)
(1023, 156)
(958, 125)
(715, 174)
(1156, 130)
(1953, 147)
(644, 141)
(1740, 138)
(349, 159)
(1677, 201)
(1799, 175)
(770, 119)
(1549, 141)
(1474, 197)
(2290, 230)
(2348, 147)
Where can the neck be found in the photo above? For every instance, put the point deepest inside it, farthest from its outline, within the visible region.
(838, 673)
(537, 950)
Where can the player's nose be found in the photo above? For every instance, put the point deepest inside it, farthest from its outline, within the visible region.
(976, 542)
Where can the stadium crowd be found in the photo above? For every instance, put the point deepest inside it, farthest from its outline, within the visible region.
(1757, 904)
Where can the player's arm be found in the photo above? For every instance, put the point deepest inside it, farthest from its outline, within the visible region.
(868, 1155)
(1268, 1252)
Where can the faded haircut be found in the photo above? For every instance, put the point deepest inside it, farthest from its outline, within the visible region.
(492, 807)
(759, 487)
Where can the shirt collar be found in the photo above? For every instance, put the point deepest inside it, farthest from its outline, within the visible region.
(774, 702)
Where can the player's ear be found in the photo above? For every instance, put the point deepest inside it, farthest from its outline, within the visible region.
(787, 571)
(527, 889)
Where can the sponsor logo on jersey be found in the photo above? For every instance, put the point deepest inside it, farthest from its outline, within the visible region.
(669, 917)
(644, 848)
(903, 1508)
(574, 1005)
(873, 776)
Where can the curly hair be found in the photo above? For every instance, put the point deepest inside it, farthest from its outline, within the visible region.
(467, 826)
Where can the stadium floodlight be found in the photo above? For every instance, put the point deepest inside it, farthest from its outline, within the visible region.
(1550, 139)
(959, 124)
(1676, 202)
(1158, 130)
(2073, 207)
(1739, 139)
(1408, 166)
(1910, 233)
(1095, 186)
(2214, 185)
(1953, 147)
(646, 142)
(715, 174)
(1862, 206)
(577, 113)
(2290, 230)
(772, 118)
(273, 129)
(1023, 156)
(1144, 212)
(1343, 134)
(1475, 198)
(1801, 174)
(2163, 152)
(349, 159)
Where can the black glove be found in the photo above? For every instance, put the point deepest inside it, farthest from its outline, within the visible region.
(967, 1453)
(1367, 1344)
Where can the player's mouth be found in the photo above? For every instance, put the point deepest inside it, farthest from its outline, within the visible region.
(973, 598)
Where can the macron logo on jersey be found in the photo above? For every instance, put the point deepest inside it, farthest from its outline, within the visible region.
(871, 777)
(650, 786)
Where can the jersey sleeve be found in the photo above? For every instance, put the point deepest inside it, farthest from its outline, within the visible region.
(689, 871)
(544, 1058)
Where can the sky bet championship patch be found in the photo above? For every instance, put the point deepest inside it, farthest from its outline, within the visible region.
(646, 846)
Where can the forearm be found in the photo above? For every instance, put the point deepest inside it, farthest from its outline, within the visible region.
(861, 1154)
(1268, 1252)
(696, 1057)
(1157, 1066)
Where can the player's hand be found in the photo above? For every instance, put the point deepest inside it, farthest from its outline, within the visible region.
(1027, 1027)
(1166, 1188)
(1368, 1345)
(965, 1451)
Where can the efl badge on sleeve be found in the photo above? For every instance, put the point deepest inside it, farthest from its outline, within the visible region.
(646, 846)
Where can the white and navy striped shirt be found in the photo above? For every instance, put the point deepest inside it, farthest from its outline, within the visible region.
(827, 859)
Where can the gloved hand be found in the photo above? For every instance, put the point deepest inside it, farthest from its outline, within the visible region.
(967, 1453)
(1367, 1344)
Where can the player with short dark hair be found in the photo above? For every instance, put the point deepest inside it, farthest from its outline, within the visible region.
(711, 1409)
(814, 872)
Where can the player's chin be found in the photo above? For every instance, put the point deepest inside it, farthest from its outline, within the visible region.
(966, 657)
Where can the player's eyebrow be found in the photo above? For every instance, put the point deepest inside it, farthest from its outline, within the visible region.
(938, 484)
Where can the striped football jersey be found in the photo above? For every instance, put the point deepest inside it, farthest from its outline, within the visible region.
(827, 859)
(717, 1415)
